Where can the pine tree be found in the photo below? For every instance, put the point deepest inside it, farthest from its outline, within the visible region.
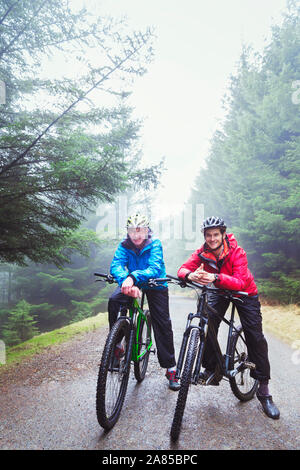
(20, 325)
(60, 152)
(252, 175)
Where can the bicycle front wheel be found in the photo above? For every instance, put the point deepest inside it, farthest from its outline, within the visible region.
(113, 374)
(242, 385)
(143, 351)
(185, 383)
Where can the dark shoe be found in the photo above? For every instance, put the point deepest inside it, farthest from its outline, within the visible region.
(173, 382)
(268, 406)
(207, 377)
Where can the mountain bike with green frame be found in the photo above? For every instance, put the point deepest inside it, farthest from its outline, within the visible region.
(129, 340)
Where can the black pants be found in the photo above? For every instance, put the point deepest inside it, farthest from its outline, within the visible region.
(158, 301)
(251, 320)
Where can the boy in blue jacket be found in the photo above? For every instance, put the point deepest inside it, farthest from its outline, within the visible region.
(137, 259)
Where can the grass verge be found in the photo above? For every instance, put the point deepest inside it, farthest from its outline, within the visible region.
(283, 321)
(38, 343)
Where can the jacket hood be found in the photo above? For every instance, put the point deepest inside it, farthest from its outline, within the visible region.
(232, 241)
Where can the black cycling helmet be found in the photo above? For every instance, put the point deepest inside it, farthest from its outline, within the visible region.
(213, 222)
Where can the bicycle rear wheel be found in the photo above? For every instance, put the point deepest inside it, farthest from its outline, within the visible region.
(242, 385)
(144, 340)
(113, 374)
(185, 383)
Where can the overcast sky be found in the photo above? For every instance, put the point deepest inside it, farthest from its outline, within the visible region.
(180, 98)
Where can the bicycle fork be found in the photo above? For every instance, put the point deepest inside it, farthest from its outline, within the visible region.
(203, 327)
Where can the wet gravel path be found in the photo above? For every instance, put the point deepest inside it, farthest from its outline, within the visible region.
(48, 402)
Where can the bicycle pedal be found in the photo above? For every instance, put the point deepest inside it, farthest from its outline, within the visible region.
(250, 365)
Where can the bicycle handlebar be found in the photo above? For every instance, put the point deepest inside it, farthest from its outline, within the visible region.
(193, 284)
(155, 282)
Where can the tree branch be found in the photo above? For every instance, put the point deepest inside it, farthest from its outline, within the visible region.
(5, 49)
(117, 66)
(8, 11)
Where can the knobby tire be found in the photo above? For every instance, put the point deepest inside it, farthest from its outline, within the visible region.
(106, 416)
(185, 383)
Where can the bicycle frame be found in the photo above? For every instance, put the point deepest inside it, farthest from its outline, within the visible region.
(205, 328)
(129, 339)
(136, 315)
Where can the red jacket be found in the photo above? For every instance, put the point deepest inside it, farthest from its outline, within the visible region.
(232, 266)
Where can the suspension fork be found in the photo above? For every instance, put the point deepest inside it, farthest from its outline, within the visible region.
(185, 339)
(186, 335)
(203, 333)
(131, 321)
(203, 328)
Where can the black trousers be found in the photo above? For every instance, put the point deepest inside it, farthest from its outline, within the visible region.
(158, 301)
(251, 320)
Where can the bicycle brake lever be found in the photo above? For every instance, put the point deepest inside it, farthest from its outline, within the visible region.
(110, 279)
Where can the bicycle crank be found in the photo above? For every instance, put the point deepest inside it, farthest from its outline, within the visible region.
(242, 366)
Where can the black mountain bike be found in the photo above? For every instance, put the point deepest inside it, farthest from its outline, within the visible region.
(234, 365)
(128, 340)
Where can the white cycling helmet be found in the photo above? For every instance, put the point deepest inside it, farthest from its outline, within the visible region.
(137, 220)
(213, 222)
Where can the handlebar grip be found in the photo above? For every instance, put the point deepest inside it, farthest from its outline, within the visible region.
(172, 277)
(107, 277)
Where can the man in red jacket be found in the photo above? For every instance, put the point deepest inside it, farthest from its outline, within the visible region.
(221, 261)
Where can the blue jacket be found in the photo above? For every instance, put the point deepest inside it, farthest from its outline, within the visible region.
(144, 264)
